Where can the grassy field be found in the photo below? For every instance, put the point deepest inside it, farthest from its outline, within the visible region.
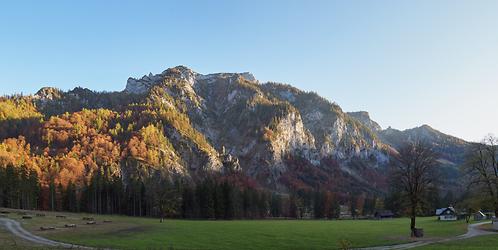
(477, 243)
(146, 233)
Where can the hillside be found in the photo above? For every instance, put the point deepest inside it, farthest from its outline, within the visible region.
(185, 124)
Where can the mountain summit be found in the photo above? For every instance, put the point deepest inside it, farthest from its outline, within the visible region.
(181, 72)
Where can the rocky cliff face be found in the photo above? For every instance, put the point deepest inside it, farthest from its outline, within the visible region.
(364, 118)
(142, 85)
(336, 133)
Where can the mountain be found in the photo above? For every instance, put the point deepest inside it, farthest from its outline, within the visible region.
(450, 148)
(185, 123)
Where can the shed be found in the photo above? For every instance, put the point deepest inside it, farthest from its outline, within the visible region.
(384, 214)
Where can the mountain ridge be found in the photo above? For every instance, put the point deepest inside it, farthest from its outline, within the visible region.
(227, 122)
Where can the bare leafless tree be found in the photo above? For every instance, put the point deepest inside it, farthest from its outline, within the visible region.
(413, 173)
(481, 168)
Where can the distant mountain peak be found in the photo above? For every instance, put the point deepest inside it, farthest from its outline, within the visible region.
(426, 127)
(141, 85)
(361, 112)
(364, 118)
(48, 93)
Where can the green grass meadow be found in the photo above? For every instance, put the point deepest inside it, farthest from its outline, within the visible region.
(477, 243)
(147, 233)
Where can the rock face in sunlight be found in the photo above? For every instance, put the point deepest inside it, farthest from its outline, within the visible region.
(143, 84)
(186, 123)
(364, 117)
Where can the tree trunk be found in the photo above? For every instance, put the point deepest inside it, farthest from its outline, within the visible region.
(412, 225)
(412, 220)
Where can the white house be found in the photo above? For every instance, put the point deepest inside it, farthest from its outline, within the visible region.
(447, 213)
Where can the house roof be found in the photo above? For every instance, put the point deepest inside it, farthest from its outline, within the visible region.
(439, 211)
(480, 213)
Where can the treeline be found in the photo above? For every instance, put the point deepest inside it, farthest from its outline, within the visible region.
(19, 187)
(161, 195)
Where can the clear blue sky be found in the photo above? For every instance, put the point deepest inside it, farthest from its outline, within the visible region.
(406, 62)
